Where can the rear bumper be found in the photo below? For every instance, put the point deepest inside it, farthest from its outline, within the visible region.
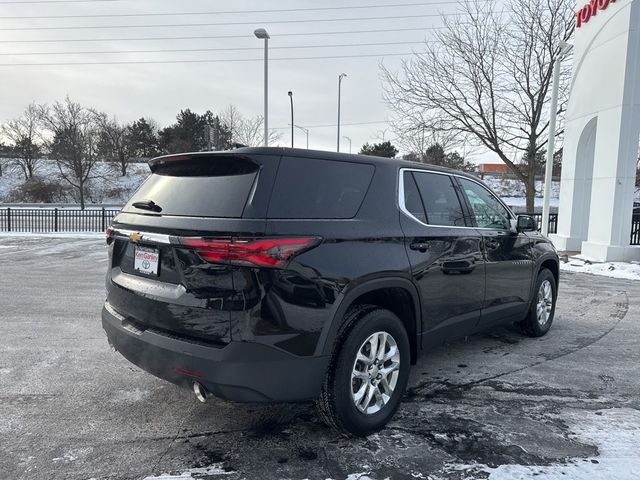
(239, 371)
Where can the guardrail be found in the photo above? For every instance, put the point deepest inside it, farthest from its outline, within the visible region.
(48, 220)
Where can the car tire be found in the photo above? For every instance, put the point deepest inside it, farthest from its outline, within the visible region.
(543, 306)
(363, 387)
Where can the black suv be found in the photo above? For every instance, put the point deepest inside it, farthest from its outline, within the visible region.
(270, 275)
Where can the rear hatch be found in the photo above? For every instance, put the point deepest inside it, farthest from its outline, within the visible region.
(171, 244)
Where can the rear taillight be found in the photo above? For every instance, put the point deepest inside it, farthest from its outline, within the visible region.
(262, 252)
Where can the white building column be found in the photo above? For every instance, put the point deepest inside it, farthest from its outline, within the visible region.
(613, 186)
(575, 185)
(601, 136)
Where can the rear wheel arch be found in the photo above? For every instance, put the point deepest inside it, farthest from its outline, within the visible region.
(397, 295)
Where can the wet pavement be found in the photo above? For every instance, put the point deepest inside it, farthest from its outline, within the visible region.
(496, 405)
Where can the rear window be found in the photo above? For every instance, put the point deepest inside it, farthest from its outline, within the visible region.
(209, 187)
(310, 188)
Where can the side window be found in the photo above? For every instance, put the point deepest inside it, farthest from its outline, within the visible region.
(315, 188)
(440, 200)
(412, 200)
(486, 208)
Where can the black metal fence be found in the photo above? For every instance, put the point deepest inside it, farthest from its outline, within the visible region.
(635, 229)
(46, 220)
(553, 221)
(553, 225)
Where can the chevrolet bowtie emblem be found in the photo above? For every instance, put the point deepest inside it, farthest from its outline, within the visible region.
(135, 236)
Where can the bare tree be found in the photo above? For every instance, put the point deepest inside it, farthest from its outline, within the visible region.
(72, 138)
(251, 132)
(244, 130)
(232, 119)
(488, 75)
(414, 135)
(114, 140)
(25, 147)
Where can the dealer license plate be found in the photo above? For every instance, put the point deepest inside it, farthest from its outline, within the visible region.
(146, 260)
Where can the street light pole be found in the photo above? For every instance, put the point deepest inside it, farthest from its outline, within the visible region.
(348, 138)
(340, 77)
(262, 34)
(291, 98)
(565, 49)
(306, 131)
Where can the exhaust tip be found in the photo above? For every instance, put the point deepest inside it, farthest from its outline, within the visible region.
(200, 392)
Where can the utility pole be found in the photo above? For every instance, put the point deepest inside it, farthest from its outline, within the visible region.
(291, 98)
(306, 131)
(349, 139)
(340, 77)
(262, 34)
(565, 49)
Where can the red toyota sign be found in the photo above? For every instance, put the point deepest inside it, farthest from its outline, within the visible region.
(590, 9)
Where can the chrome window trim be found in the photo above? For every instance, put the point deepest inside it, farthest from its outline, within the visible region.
(144, 236)
(404, 210)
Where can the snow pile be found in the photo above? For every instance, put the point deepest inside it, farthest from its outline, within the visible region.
(616, 433)
(629, 271)
(193, 473)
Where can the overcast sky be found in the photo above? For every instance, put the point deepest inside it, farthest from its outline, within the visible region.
(160, 90)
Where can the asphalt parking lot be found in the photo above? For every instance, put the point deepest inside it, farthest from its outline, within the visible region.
(497, 405)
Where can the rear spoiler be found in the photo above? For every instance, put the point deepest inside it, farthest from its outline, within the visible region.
(197, 157)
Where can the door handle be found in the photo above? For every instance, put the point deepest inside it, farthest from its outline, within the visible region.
(420, 246)
(492, 244)
(458, 266)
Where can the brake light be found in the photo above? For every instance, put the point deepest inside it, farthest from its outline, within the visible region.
(263, 252)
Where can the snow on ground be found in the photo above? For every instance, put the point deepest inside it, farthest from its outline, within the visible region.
(518, 203)
(193, 473)
(512, 192)
(217, 469)
(110, 188)
(69, 235)
(9, 181)
(510, 187)
(616, 432)
(107, 187)
(629, 271)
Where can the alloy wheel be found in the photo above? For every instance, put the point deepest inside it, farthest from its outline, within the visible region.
(545, 302)
(375, 373)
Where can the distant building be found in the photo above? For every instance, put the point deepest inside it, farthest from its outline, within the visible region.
(492, 169)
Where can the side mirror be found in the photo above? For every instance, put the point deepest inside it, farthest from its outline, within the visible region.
(526, 223)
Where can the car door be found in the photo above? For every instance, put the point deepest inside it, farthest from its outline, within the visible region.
(508, 256)
(445, 254)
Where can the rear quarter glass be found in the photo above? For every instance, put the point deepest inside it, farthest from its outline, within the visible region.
(307, 188)
(199, 188)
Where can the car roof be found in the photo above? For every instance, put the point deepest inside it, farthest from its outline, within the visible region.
(347, 157)
(323, 155)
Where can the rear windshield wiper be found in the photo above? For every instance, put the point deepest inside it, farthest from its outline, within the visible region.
(147, 205)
